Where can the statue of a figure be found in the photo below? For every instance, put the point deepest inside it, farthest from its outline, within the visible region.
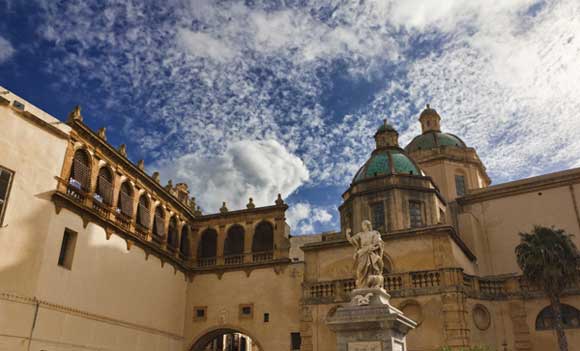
(368, 256)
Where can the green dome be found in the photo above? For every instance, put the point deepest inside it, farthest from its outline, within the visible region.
(387, 162)
(432, 140)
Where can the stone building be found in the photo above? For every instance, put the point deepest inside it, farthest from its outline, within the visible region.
(96, 254)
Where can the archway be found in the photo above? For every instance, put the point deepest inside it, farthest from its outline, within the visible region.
(226, 339)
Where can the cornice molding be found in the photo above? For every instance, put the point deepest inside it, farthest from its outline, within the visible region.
(523, 186)
(32, 118)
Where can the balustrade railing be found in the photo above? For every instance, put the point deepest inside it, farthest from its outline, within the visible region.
(233, 259)
(101, 208)
(493, 287)
(265, 256)
(327, 289)
(206, 261)
(421, 282)
(425, 279)
(74, 191)
(393, 282)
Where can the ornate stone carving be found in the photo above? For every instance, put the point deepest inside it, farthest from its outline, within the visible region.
(368, 256)
(250, 204)
(75, 114)
(102, 133)
(123, 150)
(279, 201)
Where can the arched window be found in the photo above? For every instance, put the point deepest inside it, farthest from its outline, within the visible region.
(159, 223)
(185, 245)
(234, 245)
(125, 201)
(570, 318)
(80, 174)
(104, 191)
(172, 239)
(143, 211)
(207, 249)
(263, 242)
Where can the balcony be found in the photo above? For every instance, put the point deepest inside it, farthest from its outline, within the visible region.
(114, 221)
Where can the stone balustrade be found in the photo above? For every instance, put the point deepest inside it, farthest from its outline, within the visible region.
(425, 283)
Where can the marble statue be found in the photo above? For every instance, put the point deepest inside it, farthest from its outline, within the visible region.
(368, 257)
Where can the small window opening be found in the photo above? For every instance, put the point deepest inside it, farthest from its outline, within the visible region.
(266, 317)
(460, 185)
(296, 341)
(415, 214)
(67, 249)
(378, 216)
(200, 313)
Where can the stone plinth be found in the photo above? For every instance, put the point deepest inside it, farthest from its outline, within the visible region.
(370, 323)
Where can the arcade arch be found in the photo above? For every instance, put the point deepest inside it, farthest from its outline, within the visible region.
(226, 339)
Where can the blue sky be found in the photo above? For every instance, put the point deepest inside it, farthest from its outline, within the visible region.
(256, 98)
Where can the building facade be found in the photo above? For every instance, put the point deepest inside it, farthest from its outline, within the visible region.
(96, 254)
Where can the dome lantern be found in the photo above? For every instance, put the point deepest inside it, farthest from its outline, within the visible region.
(430, 120)
(386, 136)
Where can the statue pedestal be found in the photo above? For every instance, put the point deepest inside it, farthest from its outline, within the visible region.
(370, 323)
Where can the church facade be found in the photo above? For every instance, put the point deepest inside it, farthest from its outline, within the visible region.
(96, 254)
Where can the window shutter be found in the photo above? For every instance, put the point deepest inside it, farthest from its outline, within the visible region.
(143, 216)
(105, 189)
(81, 173)
(126, 204)
(159, 225)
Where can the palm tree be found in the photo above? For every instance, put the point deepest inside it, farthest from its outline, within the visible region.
(548, 259)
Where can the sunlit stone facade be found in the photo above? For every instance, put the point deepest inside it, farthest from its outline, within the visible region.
(96, 254)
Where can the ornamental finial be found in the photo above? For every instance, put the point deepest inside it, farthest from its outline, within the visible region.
(75, 114)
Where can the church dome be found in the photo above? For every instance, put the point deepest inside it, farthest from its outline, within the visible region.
(434, 139)
(387, 162)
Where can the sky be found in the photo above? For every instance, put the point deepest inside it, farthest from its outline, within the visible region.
(244, 99)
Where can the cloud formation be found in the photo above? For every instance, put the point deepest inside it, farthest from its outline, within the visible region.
(193, 79)
(303, 216)
(6, 50)
(257, 169)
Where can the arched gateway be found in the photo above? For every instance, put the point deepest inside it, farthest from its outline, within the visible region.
(226, 339)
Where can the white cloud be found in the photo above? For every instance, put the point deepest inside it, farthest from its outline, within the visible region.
(6, 50)
(510, 91)
(257, 169)
(204, 45)
(302, 217)
(504, 79)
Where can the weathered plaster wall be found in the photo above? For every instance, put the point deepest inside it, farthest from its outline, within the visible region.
(275, 293)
